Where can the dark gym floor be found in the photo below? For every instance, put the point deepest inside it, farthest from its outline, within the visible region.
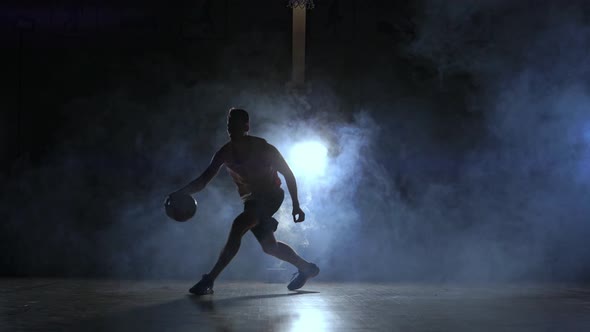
(87, 305)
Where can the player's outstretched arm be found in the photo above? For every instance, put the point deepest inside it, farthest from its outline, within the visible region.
(210, 172)
(283, 168)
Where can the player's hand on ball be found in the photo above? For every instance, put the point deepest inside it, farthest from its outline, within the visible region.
(176, 193)
(298, 214)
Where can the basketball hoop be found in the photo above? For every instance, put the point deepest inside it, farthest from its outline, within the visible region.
(307, 4)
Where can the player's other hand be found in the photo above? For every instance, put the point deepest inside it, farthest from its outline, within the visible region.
(298, 214)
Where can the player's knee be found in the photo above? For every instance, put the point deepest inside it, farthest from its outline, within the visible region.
(244, 222)
(270, 248)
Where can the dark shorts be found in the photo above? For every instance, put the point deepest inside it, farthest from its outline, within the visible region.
(265, 205)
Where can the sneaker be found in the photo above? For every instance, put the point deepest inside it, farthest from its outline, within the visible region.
(203, 287)
(300, 277)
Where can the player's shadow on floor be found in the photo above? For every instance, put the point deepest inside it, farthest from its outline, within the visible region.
(205, 313)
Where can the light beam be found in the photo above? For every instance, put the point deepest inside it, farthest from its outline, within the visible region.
(308, 159)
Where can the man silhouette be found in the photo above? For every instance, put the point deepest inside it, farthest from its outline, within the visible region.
(253, 165)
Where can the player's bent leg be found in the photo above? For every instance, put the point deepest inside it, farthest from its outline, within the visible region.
(283, 251)
(240, 226)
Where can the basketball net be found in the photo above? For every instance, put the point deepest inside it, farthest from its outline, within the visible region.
(307, 4)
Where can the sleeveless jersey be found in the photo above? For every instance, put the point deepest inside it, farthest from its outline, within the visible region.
(250, 164)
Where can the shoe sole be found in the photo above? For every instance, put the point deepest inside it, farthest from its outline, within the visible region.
(208, 292)
(306, 279)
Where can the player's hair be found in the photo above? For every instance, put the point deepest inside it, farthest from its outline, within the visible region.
(239, 114)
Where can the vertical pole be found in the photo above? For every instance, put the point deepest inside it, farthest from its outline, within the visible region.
(19, 94)
(298, 77)
(22, 26)
(22, 142)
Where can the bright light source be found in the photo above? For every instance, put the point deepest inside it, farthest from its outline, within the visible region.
(308, 159)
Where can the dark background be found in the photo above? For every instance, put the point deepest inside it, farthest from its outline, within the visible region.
(458, 131)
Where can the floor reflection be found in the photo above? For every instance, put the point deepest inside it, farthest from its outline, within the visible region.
(83, 305)
(311, 319)
(237, 314)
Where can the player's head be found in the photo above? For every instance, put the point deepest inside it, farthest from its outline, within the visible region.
(238, 122)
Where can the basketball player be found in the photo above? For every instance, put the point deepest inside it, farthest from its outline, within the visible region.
(253, 164)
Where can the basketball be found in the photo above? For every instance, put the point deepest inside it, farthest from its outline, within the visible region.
(180, 207)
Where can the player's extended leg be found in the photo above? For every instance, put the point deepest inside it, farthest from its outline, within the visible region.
(240, 226)
(284, 252)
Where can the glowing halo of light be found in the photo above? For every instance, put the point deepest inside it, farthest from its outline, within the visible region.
(308, 159)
